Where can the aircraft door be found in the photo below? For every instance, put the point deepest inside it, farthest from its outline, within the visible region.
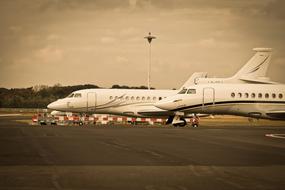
(91, 101)
(208, 96)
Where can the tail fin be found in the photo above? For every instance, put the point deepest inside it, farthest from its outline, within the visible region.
(193, 79)
(256, 67)
(254, 71)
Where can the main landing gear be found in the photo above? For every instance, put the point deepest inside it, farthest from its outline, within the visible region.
(179, 121)
(182, 123)
(176, 120)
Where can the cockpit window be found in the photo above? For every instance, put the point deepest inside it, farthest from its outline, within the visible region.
(70, 95)
(183, 91)
(191, 91)
(77, 95)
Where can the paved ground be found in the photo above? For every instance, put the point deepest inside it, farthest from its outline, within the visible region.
(113, 157)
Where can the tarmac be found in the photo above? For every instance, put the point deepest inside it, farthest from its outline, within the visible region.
(142, 157)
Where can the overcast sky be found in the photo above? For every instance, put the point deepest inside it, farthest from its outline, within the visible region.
(101, 41)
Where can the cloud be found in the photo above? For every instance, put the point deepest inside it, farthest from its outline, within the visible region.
(83, 4)
(49, 54)
(129, 31)
(133, 3)
(275, 9)
(280, 61)
(15, 29)
(91, 5)
(53, 37)
(122, 60)
(214, 43)
(208, 43)
(109, 33)
(107, 40)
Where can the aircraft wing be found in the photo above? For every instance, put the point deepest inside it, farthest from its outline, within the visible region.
(154, 111)
(277, 114)
(163, 113)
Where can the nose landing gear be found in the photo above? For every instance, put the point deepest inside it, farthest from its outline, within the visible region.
(182, 122)
(178, 120)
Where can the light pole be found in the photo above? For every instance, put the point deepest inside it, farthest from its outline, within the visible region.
(149, 39)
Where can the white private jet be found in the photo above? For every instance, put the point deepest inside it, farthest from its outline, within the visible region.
(140, 103)
(265, 101)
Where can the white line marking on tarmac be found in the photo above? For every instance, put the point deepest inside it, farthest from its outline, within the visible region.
(12, 114)
(279, 136)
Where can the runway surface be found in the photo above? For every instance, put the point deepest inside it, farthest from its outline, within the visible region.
(151, 158)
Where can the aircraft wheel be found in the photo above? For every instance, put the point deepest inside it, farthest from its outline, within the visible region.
(182, 124)
(176, 125)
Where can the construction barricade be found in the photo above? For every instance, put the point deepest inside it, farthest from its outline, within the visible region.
(101, 119)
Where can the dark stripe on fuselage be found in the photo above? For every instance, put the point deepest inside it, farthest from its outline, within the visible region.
(96, 108)
(229, 102)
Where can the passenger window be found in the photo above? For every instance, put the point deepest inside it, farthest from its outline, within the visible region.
(148, 98)
(154, 98)
(127, 97)
(273, 95)
(138, 98)
(259, 95)
(266, 95)
(183, 91)
(233, 94)
(239, 95)
(280, 96)
(246, 95)
(159, 98)
(143, 98)
(253, 95)
(116, 97)
(111, 97)
(191, 91)
(132, 98)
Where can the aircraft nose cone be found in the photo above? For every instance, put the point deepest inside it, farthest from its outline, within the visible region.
(51, 105)
(58, 105)
(165, 105)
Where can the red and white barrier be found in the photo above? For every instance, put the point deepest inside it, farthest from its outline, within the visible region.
(101, 119)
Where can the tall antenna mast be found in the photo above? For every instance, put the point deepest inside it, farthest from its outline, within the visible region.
(149, 39)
